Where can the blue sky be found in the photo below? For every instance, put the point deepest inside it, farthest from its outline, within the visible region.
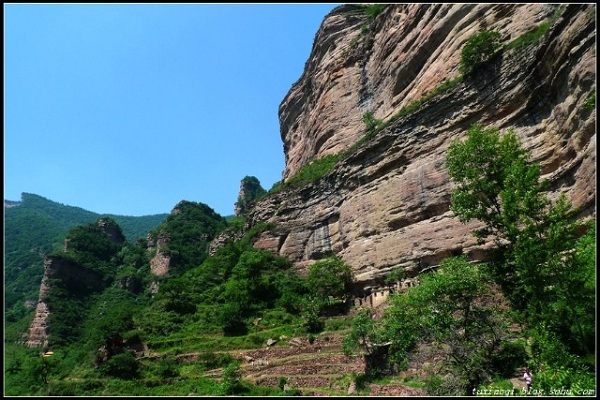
(129, 109)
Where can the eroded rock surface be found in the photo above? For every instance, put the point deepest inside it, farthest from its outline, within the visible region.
(386, 204)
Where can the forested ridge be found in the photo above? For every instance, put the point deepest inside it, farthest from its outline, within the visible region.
(33, 227)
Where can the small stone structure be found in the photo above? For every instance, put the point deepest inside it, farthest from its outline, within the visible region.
(377, 296)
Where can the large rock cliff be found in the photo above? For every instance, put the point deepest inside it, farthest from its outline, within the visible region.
(386, 203)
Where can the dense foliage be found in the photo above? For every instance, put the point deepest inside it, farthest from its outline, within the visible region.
(546, 272)
(102, 307)
(188, 230)
(540, 277)
(36, 226)
(454, 310)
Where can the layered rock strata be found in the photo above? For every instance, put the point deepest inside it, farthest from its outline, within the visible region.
(386, 204)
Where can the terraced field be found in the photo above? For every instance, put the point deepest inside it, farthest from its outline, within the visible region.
(317, 368)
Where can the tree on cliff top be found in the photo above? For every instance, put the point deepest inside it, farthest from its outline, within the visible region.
(250, 191)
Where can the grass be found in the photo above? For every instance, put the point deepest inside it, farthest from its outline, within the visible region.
(342, 323)
(370, 10)
(311, 172)
(590, 101)
(529, 38)
(185, 343)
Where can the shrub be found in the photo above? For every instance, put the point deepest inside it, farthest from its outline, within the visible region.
(282, 382)
(372, 124)
(210, 360)
(122, 365)
(312, 323)
(590, 101)
(313, 171)
(370, 10)
(232, 382)
(168, 368)
(479, 48)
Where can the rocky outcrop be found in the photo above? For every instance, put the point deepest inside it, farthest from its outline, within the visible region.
(386, 204)
(112, 230)
(221, 240)
(159, 264)
(190, 225)
(72, 275)
(250, 191)
(360, 65)
(38, 329)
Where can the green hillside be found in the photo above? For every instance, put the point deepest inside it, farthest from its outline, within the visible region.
(34, 227)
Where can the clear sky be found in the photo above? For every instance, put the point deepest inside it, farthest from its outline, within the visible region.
(128, 109)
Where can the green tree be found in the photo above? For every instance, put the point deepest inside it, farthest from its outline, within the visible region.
(39, 368)
(479, 48)
(311, 311)
(453, 309)
(364, 331)
(110, 316)
(548, 280)
(292, 288)
(168, 368)
(330, 277)
(122, 365)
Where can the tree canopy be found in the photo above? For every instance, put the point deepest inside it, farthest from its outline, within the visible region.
(543, 268)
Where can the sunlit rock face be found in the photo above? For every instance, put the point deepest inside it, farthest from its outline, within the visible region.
(386, 204)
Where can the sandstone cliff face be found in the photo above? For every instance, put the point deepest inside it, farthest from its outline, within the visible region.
(386, 205)
(358, 65)
(159, 264)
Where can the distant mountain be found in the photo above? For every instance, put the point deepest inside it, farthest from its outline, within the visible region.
(35, 226)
